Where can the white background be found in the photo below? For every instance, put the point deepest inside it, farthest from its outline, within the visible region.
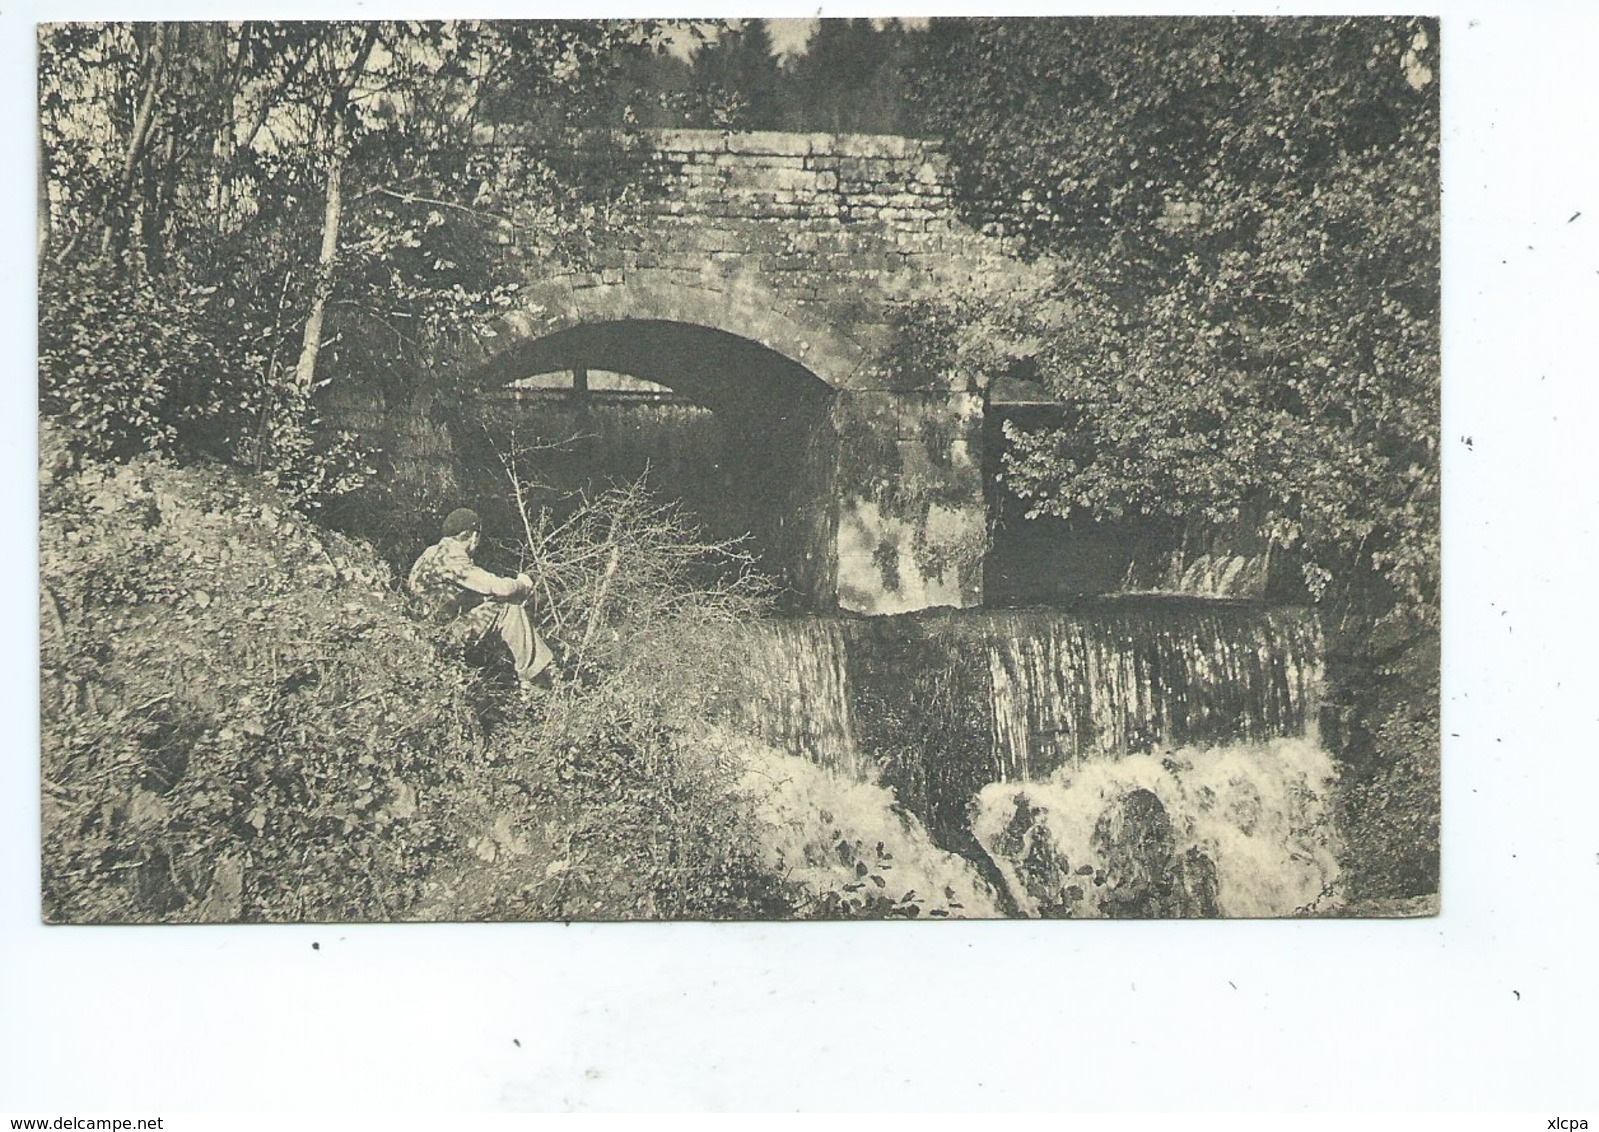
(1493, 1005)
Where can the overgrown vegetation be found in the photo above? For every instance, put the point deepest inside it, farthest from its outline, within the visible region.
(1243, 328)
(236, 216)
(1236, 305)
(238, 723)
(243, 721)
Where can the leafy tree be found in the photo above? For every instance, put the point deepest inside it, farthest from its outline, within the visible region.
(850, 78)
(312, 192)
(1244, 215)
(736, 75)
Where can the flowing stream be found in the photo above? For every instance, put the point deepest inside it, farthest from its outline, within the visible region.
(1125, 756)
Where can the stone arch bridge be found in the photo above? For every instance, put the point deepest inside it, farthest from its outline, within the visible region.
(783, 281)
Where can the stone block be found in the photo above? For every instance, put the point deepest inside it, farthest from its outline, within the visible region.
(691, 141)
(770, 179)
(768, 142)
(705, 238)
(854, 172)
(882, 146)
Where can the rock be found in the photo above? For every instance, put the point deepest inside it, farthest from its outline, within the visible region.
(1027, 846)
(1134, 839)
(1194, 887)
(1145, 875)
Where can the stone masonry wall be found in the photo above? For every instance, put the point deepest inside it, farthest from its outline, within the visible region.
(823, 249)
(815, 245)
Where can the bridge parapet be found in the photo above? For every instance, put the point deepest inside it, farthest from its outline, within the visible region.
(830, 251)
(836, 237)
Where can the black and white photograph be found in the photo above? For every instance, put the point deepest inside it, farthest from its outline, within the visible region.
(745, 469)
(823, 560)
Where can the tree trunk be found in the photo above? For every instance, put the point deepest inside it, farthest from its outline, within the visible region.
(327, 258)
(118, 215)
(311, 343)
(160, 193)
(229, 54)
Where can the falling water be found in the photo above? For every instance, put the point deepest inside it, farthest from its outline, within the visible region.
(1044, 687)
(797, 694)
(947, 708)
(1137, 676)
(1244, 829)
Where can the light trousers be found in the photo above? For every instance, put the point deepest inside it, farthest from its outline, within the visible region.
(528, 650)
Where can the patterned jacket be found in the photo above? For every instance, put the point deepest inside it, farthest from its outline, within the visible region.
(448, 583)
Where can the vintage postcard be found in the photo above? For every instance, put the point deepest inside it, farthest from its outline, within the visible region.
(739, 469)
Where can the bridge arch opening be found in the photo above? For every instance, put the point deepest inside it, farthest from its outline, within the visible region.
(737, 432)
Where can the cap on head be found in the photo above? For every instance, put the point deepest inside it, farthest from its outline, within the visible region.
(461, 521)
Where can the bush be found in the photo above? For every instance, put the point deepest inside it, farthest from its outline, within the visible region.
(242, 722)
(128, 367)
(239, 720)
(1389, 805)
(124, 367)
(623, 817)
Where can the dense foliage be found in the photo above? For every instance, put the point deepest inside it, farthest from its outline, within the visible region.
(243, 721)
(851, 78)
(1243, 215)
(237, 216)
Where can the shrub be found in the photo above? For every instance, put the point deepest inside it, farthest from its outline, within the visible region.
(123, 366)
(130, 366)
(241, 722)
(1390, 807)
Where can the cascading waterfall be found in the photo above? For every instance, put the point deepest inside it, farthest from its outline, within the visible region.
(797, 694)
(1050, 687)
(1136, 676)
(982, 721)
(1243, 829)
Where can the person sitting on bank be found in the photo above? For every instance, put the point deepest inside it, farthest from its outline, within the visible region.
(471, 603)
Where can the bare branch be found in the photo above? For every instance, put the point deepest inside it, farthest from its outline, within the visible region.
(413, 198)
